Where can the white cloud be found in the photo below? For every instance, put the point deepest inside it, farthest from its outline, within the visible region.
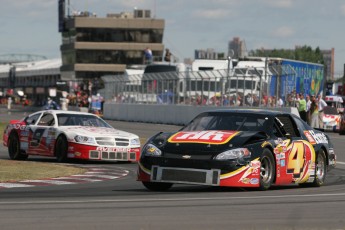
(283, 32)
(279, 3)
(342, 8)
(210, 14)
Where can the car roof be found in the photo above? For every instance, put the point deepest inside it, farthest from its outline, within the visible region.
(64, 112)
(249, 111)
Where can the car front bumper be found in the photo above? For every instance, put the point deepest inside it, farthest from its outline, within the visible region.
(235, 176)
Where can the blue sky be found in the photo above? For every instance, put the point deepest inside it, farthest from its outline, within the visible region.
(31, 26)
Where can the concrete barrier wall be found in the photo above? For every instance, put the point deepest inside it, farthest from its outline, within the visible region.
(163, 114)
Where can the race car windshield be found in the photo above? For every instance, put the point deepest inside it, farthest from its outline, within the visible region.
(239, 122)
(328, 110)
(81, 120)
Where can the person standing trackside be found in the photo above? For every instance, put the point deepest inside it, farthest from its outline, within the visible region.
(9, 103)
(302, 107)
(148, 56)
(314, 113)
(308, 100)
(321, 105)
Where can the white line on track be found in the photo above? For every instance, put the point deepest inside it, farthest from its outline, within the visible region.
(170, 199)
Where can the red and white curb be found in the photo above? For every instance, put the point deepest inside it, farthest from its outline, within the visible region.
(94, 174)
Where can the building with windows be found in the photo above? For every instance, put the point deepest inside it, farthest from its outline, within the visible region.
(93, 47)
(208, 54)
(237, 48)
(328, 58)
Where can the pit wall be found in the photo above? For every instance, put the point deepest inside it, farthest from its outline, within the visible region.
(165, 114)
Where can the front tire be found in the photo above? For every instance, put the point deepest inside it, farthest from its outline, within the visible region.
(14, 150)
(157, 186)
(61, 149)
(267, 170)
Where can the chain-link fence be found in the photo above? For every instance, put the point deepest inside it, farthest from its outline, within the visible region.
(238, 87)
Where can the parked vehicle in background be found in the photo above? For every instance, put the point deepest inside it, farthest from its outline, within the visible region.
(177, 82)
(331, 119)
(279, 77)
(249, 77)
(335, 101)
(210, 64)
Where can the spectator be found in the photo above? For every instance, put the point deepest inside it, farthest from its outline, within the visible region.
(302, 107)
(51, 104)
(9, 103)
(321, 105)
(308, 108)
(314, 114)
(280, 102)
(167, 56)
(148, 56)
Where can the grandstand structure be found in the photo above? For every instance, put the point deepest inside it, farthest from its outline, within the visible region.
(18, 58)
(34, 77)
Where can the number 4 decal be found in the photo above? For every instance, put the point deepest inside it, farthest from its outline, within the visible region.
(296, 159)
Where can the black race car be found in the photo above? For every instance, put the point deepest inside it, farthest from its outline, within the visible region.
(238, 148)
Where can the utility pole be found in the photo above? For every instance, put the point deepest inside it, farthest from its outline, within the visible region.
(343, 84)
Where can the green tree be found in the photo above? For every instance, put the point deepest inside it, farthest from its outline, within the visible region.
(303, 53)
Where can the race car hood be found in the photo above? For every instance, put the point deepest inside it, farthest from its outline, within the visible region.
(96, 132)
(209, 140)
(329, 118)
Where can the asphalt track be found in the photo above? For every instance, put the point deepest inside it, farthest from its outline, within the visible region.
(123, 203)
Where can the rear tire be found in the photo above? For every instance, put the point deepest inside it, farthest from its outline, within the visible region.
(157, 186)
(14, 150)
(267, 170)
(320, 169)
(61, 149)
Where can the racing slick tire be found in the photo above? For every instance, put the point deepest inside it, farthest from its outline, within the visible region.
(320, 170)
(267, 170)
(157, 186)
(61, 148)
(14, 150)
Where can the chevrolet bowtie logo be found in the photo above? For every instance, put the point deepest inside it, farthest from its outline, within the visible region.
(186, 156)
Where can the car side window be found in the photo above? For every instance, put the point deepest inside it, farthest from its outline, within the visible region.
(276, 131)
(32, 119)
(301, 124)
(47, 120)
(289, 125)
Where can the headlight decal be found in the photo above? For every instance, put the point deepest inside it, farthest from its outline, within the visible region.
(151, 150)
(84, 139)
(135, 141)
(233, 154)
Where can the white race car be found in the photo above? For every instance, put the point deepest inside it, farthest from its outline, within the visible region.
(67, 134)
(331, 119)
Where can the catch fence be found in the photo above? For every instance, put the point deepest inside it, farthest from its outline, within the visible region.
(240, 86)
